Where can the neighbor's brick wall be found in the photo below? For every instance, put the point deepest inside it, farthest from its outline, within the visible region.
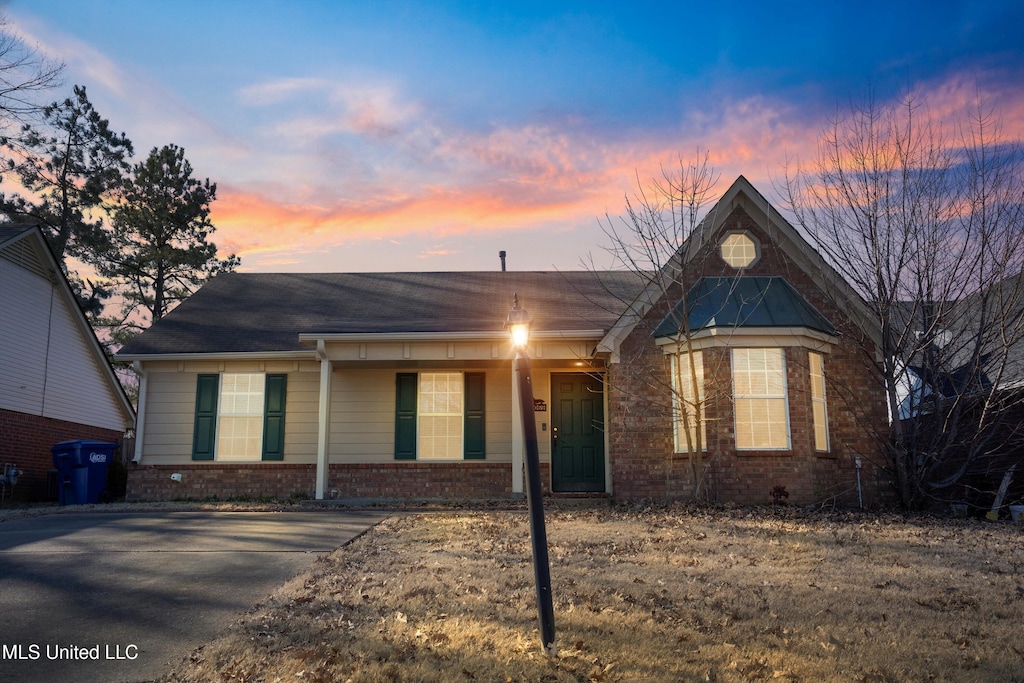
(640, 426)
(25, 440)
(220, 481)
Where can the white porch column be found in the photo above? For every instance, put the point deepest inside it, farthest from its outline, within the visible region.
(609, 480)
(518, 445)
(140, 411)
(323, 438)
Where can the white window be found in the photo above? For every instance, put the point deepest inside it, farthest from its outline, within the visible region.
(738, 250)
(686, 406)
(818, 405)
(440, 416)
(759, 397)
(240, 420)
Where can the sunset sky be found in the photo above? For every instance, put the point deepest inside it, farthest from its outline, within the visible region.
(373, 136)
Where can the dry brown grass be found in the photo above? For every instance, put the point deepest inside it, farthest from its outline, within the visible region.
(645, 595)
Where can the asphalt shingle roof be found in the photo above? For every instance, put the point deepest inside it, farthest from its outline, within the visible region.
(259, 312)
(744, 302)
(12, 230)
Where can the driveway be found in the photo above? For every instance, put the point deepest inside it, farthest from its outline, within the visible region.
(123, 597)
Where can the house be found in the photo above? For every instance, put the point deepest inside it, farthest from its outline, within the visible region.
(785, 355)
(399, 385)
(56, 383)
(961, 407)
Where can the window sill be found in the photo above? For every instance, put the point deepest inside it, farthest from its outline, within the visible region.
(763, 452)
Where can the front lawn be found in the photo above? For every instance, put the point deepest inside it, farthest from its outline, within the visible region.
(645, 595)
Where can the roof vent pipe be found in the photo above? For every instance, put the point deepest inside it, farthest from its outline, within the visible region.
(501, 255)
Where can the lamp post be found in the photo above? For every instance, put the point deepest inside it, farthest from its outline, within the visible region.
(519, 328)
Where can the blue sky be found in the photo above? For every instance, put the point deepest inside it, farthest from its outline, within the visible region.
(428, 136)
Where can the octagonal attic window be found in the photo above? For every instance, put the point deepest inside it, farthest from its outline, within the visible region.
(739, 250)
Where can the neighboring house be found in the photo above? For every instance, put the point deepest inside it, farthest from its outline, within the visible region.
(55, 381)
(962, 403)
(399, 385)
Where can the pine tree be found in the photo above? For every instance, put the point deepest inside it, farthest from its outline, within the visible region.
(159, 245)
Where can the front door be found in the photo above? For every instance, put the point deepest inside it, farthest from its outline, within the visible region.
(577, 433)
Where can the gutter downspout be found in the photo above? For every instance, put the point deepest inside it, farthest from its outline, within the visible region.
(140, 413)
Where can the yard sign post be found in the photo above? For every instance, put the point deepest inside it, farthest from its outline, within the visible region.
(519, 327)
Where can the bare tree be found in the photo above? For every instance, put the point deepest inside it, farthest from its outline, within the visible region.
(656, 238)
(24, 74)
(927, 226)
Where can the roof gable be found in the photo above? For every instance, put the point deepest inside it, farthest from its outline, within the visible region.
(741, 195)
(26, 247)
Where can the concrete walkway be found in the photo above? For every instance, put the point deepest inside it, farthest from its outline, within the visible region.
(124, 597)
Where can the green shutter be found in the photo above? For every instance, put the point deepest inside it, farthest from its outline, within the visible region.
(204, 436)
(273, 417)
(405, 416)
(474, 417)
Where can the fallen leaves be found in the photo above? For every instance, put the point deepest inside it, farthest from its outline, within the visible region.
(642, 594)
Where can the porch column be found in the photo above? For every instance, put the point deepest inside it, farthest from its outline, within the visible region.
(323, 421)
(518, 446)
(609, 480)
(140, 412)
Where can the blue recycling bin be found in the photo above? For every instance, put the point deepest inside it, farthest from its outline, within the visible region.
(81, 470)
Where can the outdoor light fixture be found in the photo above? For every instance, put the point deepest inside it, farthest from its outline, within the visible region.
(518, 325)
(519, 329)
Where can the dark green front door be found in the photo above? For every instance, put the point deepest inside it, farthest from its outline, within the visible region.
(577, 433)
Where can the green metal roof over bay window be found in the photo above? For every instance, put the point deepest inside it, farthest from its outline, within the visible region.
(737, 302)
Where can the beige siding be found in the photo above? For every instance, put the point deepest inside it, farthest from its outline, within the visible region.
(542, 390)
(47, 366)
(363, 415)
(170, 418)
(362, 411)
(170, 408)
(302, 408)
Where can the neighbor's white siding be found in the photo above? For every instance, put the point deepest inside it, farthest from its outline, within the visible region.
(170, 407)
(46, 365)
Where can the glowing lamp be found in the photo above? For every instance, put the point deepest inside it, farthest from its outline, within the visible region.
(518, 325)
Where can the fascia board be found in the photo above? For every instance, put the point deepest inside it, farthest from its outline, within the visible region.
(221, 356)
(770, 337)
(569, 335)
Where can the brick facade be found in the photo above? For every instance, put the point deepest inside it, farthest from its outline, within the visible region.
(644, 464)
(25, 440)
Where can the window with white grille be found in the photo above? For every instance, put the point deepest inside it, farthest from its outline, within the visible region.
(759, 398)
(240, 420)
(440, 416)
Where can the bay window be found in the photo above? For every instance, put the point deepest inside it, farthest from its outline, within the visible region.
(818, 406)
(760, 399)
(689, 409)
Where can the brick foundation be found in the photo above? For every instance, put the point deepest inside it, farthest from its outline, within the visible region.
(25, 440)
(447, 481)
(392, 481)
(220, 481)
